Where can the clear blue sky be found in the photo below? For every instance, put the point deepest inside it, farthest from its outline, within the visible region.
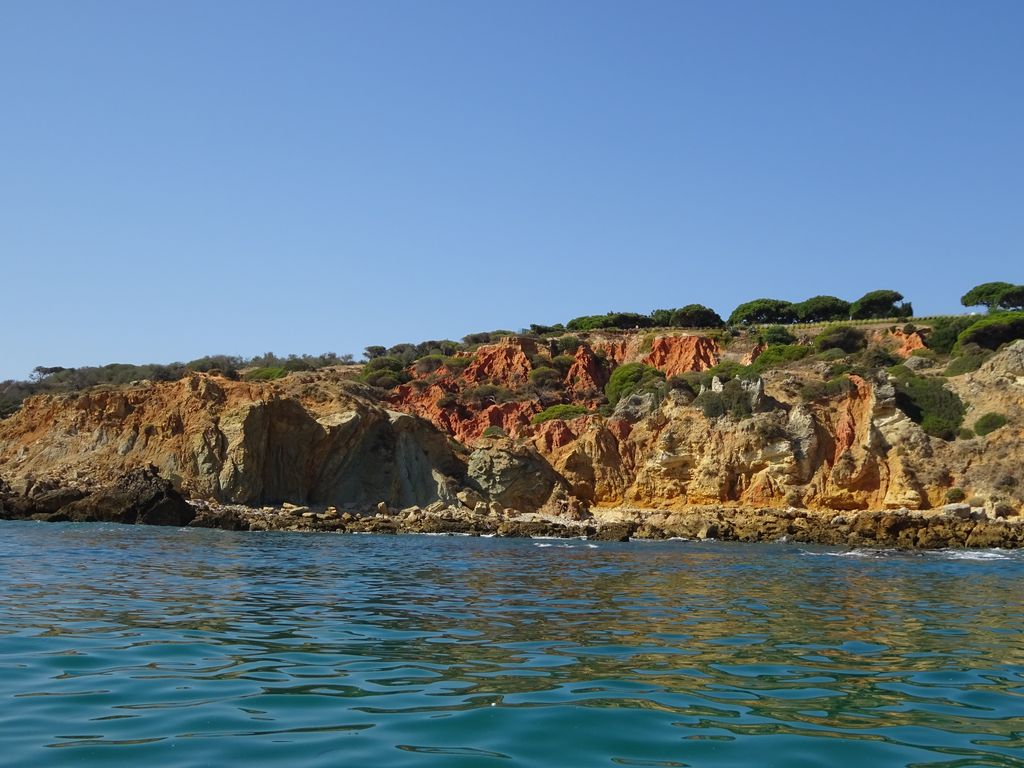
(181, 178)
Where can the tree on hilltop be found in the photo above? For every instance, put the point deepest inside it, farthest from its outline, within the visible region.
(1012, 298)
(986, 294)
(761, 311)
(880, 304)
(822, 309)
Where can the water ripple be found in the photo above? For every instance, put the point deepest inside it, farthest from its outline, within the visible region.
(121, 645)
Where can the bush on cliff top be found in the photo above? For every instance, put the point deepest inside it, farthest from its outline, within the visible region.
(776, 334)
(265, 374)
(991, 332)
(564, 412)
(384, 372)
(779, 356)
(843, 337)
(622, 320)
(944, 332)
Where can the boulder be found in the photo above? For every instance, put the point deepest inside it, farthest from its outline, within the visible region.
(139, 496)
(513, 475)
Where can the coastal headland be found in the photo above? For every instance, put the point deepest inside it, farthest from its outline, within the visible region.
(859, 434)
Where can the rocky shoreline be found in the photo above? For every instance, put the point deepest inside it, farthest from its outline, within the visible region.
(143, 497)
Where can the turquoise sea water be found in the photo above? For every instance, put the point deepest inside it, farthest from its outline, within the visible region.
(141, 646)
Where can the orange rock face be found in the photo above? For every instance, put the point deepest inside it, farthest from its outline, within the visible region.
(507, 362)
(619, 350)
(673, 355)
(754, 353)
(587, 374)
(907, 342)
(898, 341)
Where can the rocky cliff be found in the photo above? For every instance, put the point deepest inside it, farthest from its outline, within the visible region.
(323, 439)
(311, 438)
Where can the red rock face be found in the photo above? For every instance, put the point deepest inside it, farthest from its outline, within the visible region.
(552, 435)
(898, 341)
(507, 362)
(673, 355)
(587, 373)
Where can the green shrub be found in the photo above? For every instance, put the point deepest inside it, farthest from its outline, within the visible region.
(447, 400)
(964, 364)
(945, 331)
(990, 422)
(939, 411)
(265, 374)
(630, 378)
(842, 337)
(545, 378)
(926, 353)
(623, 320)
(839, 386)
(457, 364)
(562, 363)
(567, 345)
(564, 412)
(830, 355)
(384, 372)
(493, 431)
(955, 495)
(776, 334)
(732, 400)
(901, 371)
(225, 364)
(683, 383)
(487, 394)
(838, 369)
(965, 433)
(545, 330)
(711, 404)
(779, 356)
(991, 332)
(428, 364)
(726, 370)
(878, 357)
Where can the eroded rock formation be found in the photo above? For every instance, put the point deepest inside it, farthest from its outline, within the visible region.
(320, 440)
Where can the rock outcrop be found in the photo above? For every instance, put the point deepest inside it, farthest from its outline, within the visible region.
(139, 496)
(307, 440)
(673, 355)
